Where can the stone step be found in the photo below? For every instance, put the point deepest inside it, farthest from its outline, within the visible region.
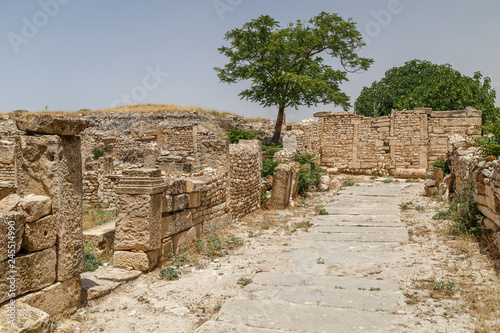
(357, 237)
(303, 318)
(332, 296)
(344, 246)
(336, 257)
(294, 280)
(222, 327)
(358, 229)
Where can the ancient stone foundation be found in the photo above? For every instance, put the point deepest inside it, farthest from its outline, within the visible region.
(45, 217)
(404, 143)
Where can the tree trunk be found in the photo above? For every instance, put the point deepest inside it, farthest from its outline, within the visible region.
(279, 124)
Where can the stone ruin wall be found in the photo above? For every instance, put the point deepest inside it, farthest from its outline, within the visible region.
(467, 164)
(46, 212)
(403, 144)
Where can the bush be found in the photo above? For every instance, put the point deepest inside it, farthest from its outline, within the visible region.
(169, 274)
(268, 167)
(490, 144)
(308, 178)
(97, 152)
(91, 262)
(235, 134)
(348, 182)
(464, 212)
(442, 164)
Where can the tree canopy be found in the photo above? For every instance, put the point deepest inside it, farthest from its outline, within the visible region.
(423, 84)
(285, 66)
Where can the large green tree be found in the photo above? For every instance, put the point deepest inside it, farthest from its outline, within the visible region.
(423, 84)
(285, 66)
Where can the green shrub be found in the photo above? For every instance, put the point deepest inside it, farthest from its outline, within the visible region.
(348, 182)
(442, 164)
(490, 144)
(91, 262)
(214, 246)
(268, 167)
(244, 281)
(169, 274)
(272, 148)
(235, 134)
(97, 152)
(320, 209)
(140, 154)
(308, 179)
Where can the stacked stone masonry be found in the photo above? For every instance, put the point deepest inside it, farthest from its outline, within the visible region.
(467, 164)
(45, 215)
(401, 143)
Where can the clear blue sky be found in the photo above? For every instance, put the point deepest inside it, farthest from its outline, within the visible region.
(74, 54)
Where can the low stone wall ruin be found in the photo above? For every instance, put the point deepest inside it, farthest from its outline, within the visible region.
(404, 143)
(467, 164)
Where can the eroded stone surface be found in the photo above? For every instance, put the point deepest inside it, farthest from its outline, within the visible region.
(35, 206)
(45, 124)
(27, 320)
(40, 235)
(13, 222)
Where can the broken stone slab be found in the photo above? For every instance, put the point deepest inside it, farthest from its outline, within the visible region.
(34, 271)
(302, 318)
(27, 319)
(61, 298)
(101, 236)
(35, 206)
(10, 203)
(45, 124)
(140, 260)
(115, 274)
(95, 288)
(40, 235)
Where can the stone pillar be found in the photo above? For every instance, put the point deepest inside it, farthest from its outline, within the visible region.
(138, 222)
(295, 174)
(282, 185)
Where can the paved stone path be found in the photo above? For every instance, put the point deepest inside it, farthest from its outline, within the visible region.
(333, 281)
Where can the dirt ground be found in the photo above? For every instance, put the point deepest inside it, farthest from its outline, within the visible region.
(453, 288)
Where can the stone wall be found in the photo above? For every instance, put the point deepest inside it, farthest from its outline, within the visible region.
(468, 165)
(161, 215)
(244, 187)
(45, 214)
(404, 142)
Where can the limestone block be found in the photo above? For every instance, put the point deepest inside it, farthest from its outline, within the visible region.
(438, 174)
(11, 224)
(6, 152)
(490, 224)
(9, 203)
(51, 165)
(181, 201)
(101, 236)
(194, 199)
(430, 190)
(196, 185)
(175, 223)
(290, 142)
(35, 206)
(40, 235)
(34, 271)
(6, 189)
(282, 181)
(138, 222)
(27, 319)
(140, 260)
(410, 173)
(167, 205)
(167, 247)
(61, 298)
(183, 240)
(449, 180)
(460, 121)
(324, 183)
(335, 184)
(295, 174)
(45, 124)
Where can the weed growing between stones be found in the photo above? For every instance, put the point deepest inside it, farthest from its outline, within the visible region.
(91, 262)
(214, 246)
(244, 281)
(97, 152)
(450, 288)
(464, 212)
(320, 209)
(348, 182)
(94, 215)
(169, 274)
(179, 260)
(412, 180)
